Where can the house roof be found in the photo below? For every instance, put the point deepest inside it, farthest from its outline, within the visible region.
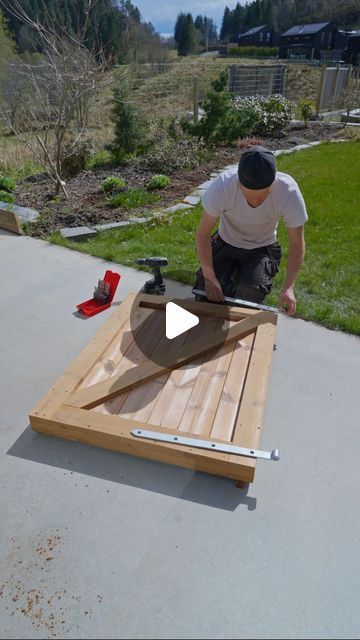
(305, 29)
(252, 31)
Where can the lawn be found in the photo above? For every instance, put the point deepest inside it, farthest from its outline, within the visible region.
(328, 285)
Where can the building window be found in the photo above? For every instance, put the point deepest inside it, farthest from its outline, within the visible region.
(323, 37)
(268, 36)
(261, 36)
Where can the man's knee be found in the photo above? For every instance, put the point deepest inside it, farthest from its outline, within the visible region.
(250, 292)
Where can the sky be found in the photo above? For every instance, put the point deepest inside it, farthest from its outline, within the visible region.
(163, 13)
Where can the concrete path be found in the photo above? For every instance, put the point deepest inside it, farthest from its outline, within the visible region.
(99, 544)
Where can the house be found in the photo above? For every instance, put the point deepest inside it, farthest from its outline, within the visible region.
(352, 51)
(311, 41)
(262, 36)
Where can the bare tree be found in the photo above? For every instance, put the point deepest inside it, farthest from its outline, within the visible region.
(62, 80)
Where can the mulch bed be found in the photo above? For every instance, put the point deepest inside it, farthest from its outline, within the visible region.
(87, 204)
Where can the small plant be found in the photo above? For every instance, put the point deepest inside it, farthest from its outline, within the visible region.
(7, 184)
(113, 184)
(5, 196)
(307, 109)
(100, 160)
(158, 182)
(133, 198)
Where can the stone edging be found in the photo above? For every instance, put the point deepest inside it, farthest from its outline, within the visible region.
(188, 203)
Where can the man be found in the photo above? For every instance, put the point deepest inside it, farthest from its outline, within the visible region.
(242, 258)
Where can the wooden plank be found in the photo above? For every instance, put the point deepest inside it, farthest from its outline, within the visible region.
(84, 362)
(224, 422)
(249, 421)
(171, 402)
(205, 395)
(141, 399)
(132, 358)
(102, 391)
(10, 221)
(108, 363)
(113, 432)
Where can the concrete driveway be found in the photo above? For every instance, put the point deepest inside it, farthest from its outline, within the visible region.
(103, 545)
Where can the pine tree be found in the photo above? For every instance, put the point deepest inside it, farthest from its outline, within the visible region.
(185, 34)
(226, 24)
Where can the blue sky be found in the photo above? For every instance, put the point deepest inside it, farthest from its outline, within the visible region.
(163, 14)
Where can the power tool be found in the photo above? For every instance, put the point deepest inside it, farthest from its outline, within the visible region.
(155, 286)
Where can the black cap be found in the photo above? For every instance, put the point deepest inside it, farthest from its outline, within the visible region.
(257, 168)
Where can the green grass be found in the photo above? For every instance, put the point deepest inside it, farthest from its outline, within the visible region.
(133, 198)
(328, 284)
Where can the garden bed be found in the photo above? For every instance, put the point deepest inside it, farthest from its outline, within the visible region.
(87, 204)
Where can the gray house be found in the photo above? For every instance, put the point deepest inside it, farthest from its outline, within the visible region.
(311, 41)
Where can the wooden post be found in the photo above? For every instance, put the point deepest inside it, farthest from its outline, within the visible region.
(196, 99)
(321, 90)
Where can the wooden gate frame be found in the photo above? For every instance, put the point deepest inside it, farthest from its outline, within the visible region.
(65, 412)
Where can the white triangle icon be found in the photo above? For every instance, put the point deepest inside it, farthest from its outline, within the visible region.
(178, 320)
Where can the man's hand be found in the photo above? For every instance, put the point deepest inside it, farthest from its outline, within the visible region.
(287, 301)
(213, 289)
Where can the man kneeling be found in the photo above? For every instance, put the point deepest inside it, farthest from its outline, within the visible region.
(243, 256)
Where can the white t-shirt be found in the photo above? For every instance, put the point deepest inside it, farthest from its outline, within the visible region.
(248, 227)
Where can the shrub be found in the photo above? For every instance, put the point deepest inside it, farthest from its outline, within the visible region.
(158, 182)
(307, 109)
(133, 198)
(5, 196)
(7, 184)
(254, 52)
(113, 184)
(171, 156)
(273, 113)
(75, 154)
(222, 122)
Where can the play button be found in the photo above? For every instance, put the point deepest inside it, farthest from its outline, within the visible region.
(161, 326)
(178, 320)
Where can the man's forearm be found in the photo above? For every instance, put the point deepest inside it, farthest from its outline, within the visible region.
(204, 253)
(294, 261)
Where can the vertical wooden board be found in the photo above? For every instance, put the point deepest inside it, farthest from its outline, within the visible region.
(132, 358)
(203, 402)
(225, 418)
(140, 400)
(249, 421)
(78, 369)
(172, 400)
(106, 365)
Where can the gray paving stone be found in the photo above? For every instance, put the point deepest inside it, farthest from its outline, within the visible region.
(177, 207)
(193, 200)
(24, 213)
(111, 225)
(77, 233)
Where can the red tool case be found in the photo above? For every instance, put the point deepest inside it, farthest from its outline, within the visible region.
(92, 306)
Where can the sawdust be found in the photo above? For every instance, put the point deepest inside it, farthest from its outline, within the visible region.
(26, 592)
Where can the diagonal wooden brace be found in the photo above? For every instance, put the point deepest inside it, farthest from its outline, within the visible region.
(103, 391)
